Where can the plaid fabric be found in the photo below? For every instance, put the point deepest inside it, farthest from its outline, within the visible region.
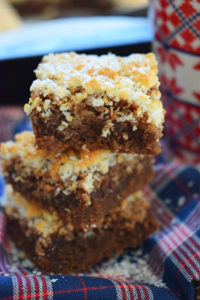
(172, 255)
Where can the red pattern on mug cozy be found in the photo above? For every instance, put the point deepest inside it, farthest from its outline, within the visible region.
(177, 46)
(178, 25)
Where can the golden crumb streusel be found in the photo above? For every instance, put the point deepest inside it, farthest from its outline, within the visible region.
(67, 79)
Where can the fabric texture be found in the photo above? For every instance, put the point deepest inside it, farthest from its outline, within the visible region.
(177, 48)
(165, 267)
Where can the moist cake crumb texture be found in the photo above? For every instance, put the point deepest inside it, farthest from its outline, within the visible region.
(73, 185)
(46, 223)
(81, 187)
(90, 102)
(75, 170)
(61, 250)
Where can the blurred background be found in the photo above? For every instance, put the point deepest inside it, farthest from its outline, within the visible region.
(30, 29)
(22, 12)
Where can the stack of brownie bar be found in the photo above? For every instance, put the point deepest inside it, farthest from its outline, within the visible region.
(73, 193)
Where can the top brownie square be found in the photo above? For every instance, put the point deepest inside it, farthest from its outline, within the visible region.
(94, 102)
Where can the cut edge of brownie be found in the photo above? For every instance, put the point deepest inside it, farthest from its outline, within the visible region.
(97, 102)
(56, 254)
(89, 130)
(115, 186)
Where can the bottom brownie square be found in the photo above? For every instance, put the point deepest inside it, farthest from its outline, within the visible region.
(55, 247)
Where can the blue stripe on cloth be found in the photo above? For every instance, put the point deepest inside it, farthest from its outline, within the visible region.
(176, 251)
(6, 288)
(1, 186)
(177, 186)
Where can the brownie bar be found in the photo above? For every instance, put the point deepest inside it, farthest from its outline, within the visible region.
(81, 187)
(52, 249)
(97, 102)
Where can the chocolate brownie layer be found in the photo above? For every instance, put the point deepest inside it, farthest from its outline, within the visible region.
(90, 102)
(86, 130)
(127, 226)
(95, 192)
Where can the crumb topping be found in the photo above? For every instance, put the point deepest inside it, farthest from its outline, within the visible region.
(70, 78)
(74, 170)
(37, 218)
